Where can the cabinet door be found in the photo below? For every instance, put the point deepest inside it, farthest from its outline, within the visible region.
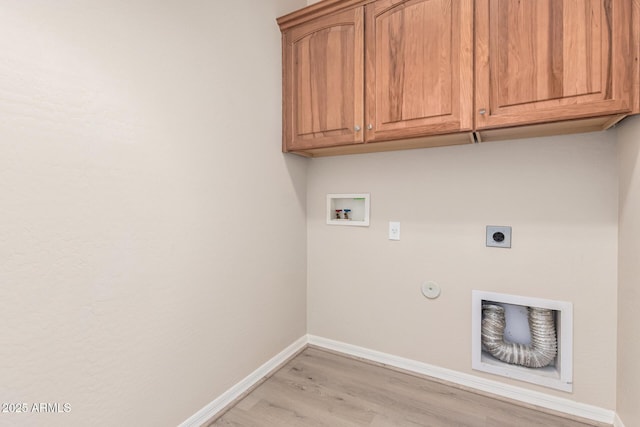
(549, 60)
(419, 68)
(323, 82)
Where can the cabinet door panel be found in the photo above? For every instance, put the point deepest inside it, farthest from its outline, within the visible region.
(419, 67)
(323, 82)
(547, 60)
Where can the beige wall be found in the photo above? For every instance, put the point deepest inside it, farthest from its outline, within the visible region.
(152, 235)
(559, 195)
(629, 272)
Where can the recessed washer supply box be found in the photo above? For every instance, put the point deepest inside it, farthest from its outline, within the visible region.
(348, 209)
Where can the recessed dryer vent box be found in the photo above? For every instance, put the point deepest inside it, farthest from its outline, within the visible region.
(348, 209)
(557, 375)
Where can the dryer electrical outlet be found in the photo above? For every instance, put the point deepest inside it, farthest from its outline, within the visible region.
(498, 236)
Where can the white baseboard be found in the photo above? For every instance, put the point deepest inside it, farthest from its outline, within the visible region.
(209, 411)
(494, 387)
(471, 381)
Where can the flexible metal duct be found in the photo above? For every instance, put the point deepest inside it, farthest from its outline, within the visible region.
(544, 344)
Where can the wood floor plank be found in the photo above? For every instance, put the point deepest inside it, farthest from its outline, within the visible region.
(323, 389)
(321, 407)
(400, 399)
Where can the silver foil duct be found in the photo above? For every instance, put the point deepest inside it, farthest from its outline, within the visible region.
(544, 344)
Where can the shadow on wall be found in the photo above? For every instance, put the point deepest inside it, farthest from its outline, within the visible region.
(297, 167)
(629, 159)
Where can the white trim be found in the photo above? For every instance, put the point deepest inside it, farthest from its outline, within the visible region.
(489, 386)
(209, 411)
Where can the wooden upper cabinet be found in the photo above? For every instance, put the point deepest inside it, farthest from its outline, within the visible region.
(323, 82)
(548, 60)
(378, 75)
(419, 68)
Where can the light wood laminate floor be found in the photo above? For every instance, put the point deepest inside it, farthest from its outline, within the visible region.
(319, 388)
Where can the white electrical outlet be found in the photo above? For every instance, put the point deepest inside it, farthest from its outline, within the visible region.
(394, 230)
